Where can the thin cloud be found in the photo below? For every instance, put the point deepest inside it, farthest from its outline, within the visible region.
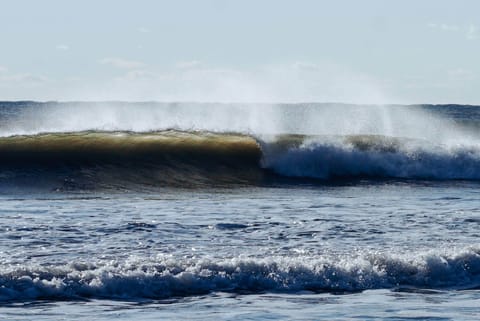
(143, 30)
(444, 27)
(26, 78)
(122, 63)
(460, 73)
(133, 75)
(63, 47)
(188, 64)
(470, 31)
(306, 66)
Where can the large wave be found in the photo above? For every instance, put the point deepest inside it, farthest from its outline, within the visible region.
(139, 145)
(166, 277)
(124, 160)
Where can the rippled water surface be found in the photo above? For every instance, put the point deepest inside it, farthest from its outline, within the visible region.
(388, 250)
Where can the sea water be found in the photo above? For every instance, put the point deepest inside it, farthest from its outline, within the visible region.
(329, 229)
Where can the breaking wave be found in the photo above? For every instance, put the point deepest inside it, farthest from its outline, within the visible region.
(166, 277)
(375, 156)
(92, 159)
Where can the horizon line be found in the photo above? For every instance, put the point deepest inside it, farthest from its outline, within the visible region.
(232, 102)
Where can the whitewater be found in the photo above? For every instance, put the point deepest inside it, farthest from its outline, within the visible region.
(117, 210)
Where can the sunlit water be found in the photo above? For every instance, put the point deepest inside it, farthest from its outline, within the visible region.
(416, 224)
(363, 248)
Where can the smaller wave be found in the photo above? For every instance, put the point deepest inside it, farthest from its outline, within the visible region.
(373, 156)
(166, 277)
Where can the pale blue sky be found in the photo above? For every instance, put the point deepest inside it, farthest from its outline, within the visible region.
(353, 51)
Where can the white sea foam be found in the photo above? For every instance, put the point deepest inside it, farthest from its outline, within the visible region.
(163, 277)
(374, 156)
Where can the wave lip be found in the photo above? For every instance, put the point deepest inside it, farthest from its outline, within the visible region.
(121, 146)
(165, 277)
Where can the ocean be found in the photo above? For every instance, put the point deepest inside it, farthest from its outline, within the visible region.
(148, 210)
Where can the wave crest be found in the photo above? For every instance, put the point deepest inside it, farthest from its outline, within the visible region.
(166, 277)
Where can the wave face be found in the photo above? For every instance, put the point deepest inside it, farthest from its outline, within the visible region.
(103, 159)
(165, 277)
(126, 160)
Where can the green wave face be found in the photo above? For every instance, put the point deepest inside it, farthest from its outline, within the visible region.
(126, 159)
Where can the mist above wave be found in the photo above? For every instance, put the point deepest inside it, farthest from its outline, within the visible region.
(254, 119)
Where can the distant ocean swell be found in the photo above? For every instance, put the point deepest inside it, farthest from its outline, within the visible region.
(165, 277)
(175, 158)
